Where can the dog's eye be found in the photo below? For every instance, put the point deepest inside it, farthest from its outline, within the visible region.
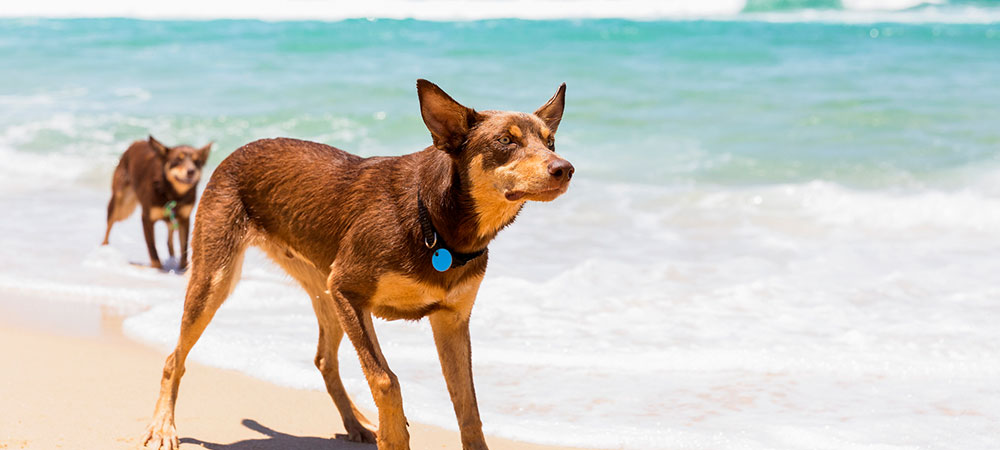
(504, 140)
(551, 143)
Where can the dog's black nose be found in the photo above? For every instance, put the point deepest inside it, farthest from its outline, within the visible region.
(561, 169)
(191, 173)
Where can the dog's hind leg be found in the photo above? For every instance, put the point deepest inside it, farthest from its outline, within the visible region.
(359, 429)
(123, 200)
(149, 234)
(220, 240)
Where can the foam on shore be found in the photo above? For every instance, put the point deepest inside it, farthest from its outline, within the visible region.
(849, 11)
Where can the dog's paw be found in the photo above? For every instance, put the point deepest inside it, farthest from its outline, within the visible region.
(161, 435)
(358, 432)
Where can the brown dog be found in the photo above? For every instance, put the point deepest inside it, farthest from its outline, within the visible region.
(163, 181)
(373, 236)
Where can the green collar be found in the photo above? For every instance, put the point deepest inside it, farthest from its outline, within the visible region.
(170, 213)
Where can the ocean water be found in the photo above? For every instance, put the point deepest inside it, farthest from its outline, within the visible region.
(784, 232)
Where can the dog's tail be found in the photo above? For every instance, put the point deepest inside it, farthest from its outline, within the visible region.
(123, 199)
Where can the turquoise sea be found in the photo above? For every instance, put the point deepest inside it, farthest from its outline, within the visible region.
(784, 231)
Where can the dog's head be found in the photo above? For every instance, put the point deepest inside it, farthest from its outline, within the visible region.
(182, 164)
(509, 157)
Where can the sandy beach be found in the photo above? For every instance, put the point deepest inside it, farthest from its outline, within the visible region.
(75, 389)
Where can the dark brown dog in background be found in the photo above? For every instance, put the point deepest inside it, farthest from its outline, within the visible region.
(163, 180)
(361, 235)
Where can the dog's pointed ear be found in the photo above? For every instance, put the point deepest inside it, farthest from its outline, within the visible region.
(204, 151)
(161, 149)
(552, 111)
(448, 121)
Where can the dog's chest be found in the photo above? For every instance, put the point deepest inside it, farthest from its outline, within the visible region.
(400, 297)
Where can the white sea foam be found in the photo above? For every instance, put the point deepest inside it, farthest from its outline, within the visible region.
(84, 148)
(887, 5)
(32, 171)
(68, 149)
(430, 10)
(929, 14)
(852, 11)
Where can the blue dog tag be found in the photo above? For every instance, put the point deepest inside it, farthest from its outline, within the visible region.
(441, 259)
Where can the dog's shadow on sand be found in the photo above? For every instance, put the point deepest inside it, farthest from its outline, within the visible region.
(277, 440)
(170, 265)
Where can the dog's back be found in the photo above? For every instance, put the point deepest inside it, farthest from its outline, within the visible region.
(274, 185)
(133, 164)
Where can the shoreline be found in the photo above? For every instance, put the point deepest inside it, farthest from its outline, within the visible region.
(91, 385)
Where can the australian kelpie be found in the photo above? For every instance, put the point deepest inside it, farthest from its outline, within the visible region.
(393, 237)
(163, 180)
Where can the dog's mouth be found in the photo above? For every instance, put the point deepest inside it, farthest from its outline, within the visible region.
(190, 181)
(544, 195)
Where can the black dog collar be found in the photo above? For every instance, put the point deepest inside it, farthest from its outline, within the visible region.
(442, 258)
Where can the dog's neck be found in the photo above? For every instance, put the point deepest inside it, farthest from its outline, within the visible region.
(445, 191)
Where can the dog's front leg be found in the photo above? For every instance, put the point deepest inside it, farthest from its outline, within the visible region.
(184, 225)
(170, 240)
(357, 324)
(451, 336)
(147, 230)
